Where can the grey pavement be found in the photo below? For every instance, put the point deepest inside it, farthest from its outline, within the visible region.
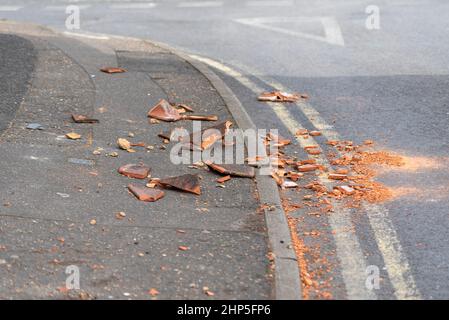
(52, 187)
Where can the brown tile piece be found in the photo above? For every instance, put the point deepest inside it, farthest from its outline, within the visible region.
(146, 194)
(137, 171)
(236, 170)
(187, 182)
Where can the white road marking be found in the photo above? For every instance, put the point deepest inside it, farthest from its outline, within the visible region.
(332, 31)
(266, 3)
(349, 251)
(200, 4)
(398, 268)
(63, 8)
(10, 8)
(85, 35)
(124, 6)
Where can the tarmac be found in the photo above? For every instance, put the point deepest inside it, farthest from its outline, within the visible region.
(59, 200)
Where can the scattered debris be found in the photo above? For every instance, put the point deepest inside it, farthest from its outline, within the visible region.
(93, 222)
(125, 145)
(73, 136)
(137, 171)
(314, 133)
(120, 215)
(35, 126)
(279, 96)
(307, 167)
(337, 176)
(187, 182)
(209, 136)
(236, 170)
(224, 179)
(164, 111)
(145, 194)
(153, 292)
(183, 248)
(79, 118)
(112, 70)
(278, 140)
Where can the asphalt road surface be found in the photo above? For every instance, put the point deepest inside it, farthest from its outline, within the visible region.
(388, 84)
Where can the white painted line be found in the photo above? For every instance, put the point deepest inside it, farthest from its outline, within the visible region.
(124, 6)
(85, 35)
(387, 241)
(332, 31)
(349, 251)
(200, 4)
(266, 3)
(63, 8)
(10, 8)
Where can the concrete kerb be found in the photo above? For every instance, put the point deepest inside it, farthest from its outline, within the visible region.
(287, 276)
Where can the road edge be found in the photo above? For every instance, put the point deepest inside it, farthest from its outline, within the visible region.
(287, 275)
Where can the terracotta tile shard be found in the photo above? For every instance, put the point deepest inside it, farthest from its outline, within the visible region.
(294, 176)
(279, 140)
(73, 136)
(183, 248)
(307, 167)
(145, 194)
(187, 182)
(79, 118)
(301, 132)
(112, 70)
(153, 292)
(279, 96)
(337, 176)
(136, 171)
(332, 142)
(342, 171)
(236, 170)
(206, 138)
(279, 181)
(164, 111)
(224, 179)
(185, 107)
(313, 151)
(346, 190)
(314, 133)
(307, 161)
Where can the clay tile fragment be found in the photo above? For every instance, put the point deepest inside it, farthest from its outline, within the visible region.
(337, 176)
(112, 70)
(224, 179)
(145, 194)
(137, 171)
(314, 133)
(187, 182)
(209, 136)
(237, 170)
(346, 190)
(279, 96)
(307, 167)
(164, 111)
(277, 139)
(79, 118)
(313, 151)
